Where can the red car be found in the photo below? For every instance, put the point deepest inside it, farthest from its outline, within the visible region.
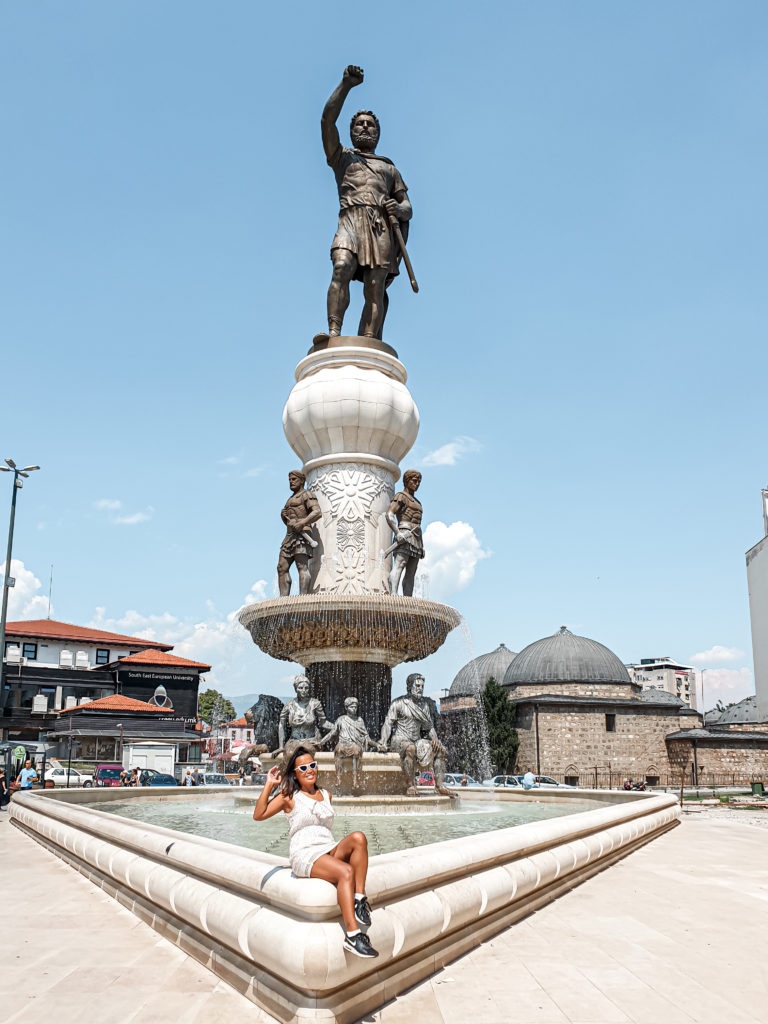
(425, 779)
(107, 774)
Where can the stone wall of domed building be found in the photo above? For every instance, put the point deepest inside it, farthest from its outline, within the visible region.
(579, 715)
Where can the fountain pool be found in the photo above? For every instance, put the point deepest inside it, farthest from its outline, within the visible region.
(240, 911)
(229, 819)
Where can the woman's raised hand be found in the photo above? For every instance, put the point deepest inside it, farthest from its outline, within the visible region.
(274, 778)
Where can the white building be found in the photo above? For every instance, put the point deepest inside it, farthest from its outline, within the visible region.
(668, 675)
(757, 582)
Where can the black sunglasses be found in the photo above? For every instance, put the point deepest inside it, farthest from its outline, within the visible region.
(306, 767)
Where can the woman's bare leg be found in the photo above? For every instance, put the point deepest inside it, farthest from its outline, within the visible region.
(354, 849)
(342, 875)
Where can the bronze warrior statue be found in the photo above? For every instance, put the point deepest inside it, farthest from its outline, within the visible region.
(410, 730)
(374, 208)
(404, 517)
(299, 513)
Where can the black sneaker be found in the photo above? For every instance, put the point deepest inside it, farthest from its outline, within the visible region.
(359, 945)
(363, 912)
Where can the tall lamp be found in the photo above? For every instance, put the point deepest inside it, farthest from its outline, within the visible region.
(8, 580)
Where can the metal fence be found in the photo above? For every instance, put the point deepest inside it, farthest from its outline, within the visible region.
(605, 779)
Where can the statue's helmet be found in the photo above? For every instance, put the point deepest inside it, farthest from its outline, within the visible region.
(299, 681)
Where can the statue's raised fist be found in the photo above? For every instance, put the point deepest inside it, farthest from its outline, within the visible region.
(353, 75)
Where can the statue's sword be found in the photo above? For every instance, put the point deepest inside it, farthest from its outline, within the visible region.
(394, 223)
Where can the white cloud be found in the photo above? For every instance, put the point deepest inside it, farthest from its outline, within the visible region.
(449, 454)
(24, 600)
(258, 592)
(231, 460)
(108, 504)
(727, 685)
(255, 471)
(134, 518)
(452, 552)
(717, 655)
(218, 640)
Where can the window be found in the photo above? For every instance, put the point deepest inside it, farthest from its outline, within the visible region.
(102, 656)
(233, 736)
(29, 650)
(610, 723)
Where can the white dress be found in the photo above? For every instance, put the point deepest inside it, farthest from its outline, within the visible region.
(310, 824)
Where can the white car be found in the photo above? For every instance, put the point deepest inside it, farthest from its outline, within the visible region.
(58, 776)
(503, 780)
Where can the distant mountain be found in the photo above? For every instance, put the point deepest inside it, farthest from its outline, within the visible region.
(243, 702)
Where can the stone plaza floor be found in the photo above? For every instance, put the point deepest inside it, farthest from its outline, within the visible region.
(674, 933)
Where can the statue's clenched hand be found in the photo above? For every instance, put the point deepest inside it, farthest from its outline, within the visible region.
(353, 75)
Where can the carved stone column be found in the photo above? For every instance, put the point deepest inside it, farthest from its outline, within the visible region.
(351, 419)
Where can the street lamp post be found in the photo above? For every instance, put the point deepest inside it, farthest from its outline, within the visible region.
(8, 580)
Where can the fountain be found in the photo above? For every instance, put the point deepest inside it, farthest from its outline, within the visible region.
(351, 420)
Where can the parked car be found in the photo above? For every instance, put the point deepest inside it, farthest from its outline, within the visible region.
(512, 781)
(545, 782)
(425, 779)
(213, 779)
(107, 774)
(454, 779)
(159, 779)
(58, 776)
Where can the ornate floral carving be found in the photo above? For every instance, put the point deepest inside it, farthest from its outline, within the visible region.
(350, 534)
(351, 490)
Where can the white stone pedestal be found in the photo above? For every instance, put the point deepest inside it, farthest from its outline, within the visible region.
(350, 418)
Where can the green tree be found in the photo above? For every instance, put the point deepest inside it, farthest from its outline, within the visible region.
(500, 718)
(214, 707)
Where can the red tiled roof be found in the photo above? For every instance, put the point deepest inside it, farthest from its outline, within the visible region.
(161, 658)
(116, 702)
(238, 722)
(53, 630)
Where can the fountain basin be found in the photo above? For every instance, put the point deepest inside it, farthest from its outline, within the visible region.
(373, 628)
(243, 914)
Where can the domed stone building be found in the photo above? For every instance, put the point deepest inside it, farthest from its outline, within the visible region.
(470, 680)
(580, 717)
(579, 713)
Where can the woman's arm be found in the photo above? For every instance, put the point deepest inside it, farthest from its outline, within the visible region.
(266, 808)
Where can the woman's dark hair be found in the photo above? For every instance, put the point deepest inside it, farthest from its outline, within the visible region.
(290, 782)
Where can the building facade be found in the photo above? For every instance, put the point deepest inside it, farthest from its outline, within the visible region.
(667, 675)
(757, 583)
(51, 667)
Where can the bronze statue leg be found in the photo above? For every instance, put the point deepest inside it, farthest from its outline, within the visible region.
(344, 267)
(284, 574)
(375, 308)
(438, 767)
(302, 566)
(399, 561)
(410, 575)
(338, 763)
(408, 765)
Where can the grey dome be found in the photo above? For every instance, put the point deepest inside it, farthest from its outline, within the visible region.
(477, 672)
(565, 658)
(662, 697)
(744, 711)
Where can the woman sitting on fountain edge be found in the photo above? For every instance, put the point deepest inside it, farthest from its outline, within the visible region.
(313, 852)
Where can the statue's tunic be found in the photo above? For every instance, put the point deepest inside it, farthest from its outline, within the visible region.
(303, 722)
(411, 721)
(362, 180)
(408, 512)
(350, 731)
(298, 506)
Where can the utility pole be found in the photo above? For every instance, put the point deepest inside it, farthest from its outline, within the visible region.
(8, 580)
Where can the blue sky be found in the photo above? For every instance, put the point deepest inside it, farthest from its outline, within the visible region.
(588, 183)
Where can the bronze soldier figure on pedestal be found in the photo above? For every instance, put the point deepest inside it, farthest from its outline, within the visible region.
(409, 730)
(299, 513)
(371, 192)
(404, 517)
